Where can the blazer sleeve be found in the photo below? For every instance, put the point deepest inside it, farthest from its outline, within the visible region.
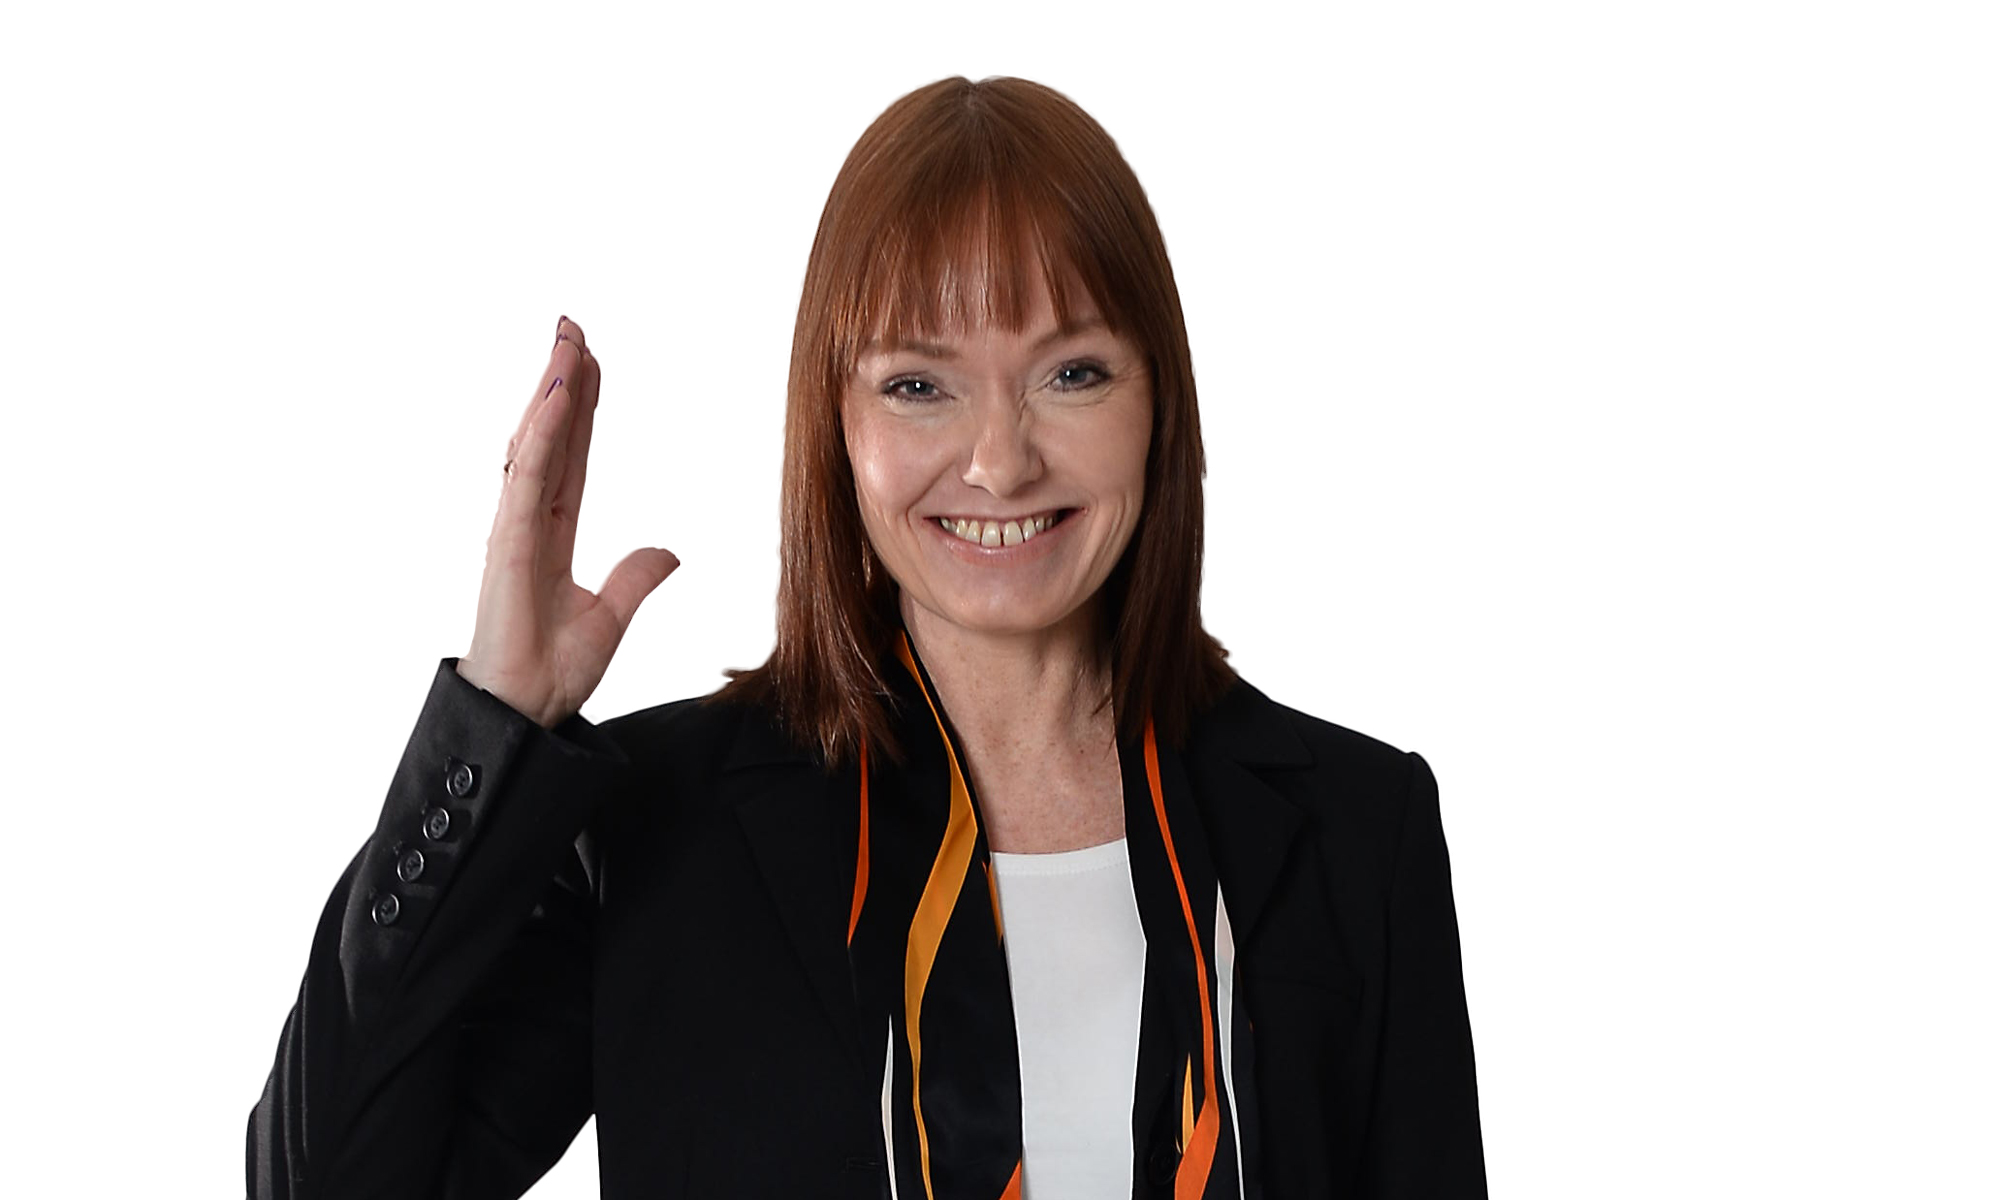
(440, 1043)
(1423, 1134)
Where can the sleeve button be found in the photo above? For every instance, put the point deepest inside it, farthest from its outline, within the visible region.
(411, 866)
(459, 781)
(386, 909)
(437, 823)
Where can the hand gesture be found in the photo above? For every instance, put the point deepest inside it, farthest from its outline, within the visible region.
(541, 643)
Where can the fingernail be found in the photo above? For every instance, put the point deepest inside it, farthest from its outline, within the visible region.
(552, 388)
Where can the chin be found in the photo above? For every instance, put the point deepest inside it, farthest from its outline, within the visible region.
(993, 617)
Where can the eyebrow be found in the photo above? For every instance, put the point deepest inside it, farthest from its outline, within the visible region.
(940, 351)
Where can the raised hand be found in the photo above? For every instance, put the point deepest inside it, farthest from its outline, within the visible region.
(541, 643)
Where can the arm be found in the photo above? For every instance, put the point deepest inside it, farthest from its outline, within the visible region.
(440, 1042)
(1423, 1136)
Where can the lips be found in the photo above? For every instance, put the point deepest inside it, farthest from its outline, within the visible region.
(1004, 531)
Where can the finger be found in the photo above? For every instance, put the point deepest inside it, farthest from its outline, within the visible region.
(569, 341)
(517, 526)
(559, 465)
(515, 466)
(633, 579)
(567, 500)
(568, 344)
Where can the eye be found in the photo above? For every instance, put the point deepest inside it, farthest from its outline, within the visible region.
(909, 387)
(1074, 377)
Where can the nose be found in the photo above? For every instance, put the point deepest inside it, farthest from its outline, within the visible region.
(1004, 457)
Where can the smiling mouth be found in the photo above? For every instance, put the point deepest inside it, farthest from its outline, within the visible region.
(1011, 532)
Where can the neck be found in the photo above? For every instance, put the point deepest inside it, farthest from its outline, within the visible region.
(1019, 694)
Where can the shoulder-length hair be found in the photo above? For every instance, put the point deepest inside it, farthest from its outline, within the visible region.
(958, 199)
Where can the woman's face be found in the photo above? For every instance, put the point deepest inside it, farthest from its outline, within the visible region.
(1000, 475)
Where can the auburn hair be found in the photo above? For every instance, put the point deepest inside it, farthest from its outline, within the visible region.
(958, 200)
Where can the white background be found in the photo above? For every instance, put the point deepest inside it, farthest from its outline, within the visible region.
(1599, 400)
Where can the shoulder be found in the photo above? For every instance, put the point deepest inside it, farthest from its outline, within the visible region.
(1355, 790)
(689, 764)
(701, 736)
(1251, 727)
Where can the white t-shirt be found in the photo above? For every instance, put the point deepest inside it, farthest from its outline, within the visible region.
(1076, 960)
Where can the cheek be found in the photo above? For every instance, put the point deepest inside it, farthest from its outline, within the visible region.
(887, 478)
(1134, 461)
(1121, 456)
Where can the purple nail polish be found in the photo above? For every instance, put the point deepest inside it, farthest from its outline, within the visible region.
(552, 388)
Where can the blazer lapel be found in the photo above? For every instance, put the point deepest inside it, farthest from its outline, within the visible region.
(792, 813)
(1250, 826)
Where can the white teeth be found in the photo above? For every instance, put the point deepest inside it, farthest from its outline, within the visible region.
(991, 535)
(1029, 529)
(1010, 533)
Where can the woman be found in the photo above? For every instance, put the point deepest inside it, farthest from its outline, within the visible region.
(992, 881)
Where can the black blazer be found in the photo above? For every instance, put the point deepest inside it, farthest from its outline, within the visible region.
(647, 920)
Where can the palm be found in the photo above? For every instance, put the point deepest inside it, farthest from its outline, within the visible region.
(587, 634)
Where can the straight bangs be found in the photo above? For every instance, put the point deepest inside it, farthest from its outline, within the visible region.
(940, 271)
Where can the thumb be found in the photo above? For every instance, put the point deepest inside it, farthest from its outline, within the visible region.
(633, 579)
